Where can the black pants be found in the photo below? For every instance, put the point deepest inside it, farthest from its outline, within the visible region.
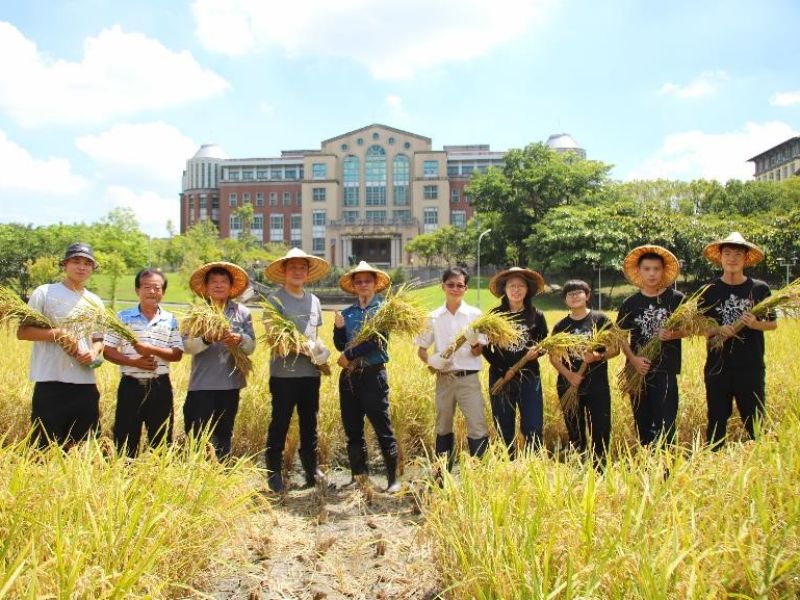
(64, 413)
(524, 392)
(365, 393)
(145, 402)
(288, 393)
(746, 386)
(656, 407)
(593, 412)
(215, 409)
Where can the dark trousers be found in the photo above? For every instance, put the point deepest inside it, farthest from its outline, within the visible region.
(593, 412)
(524, 392)
(746, 386)
(145, 402)
(64, 413)
(288, 393)
(365, 393)
(213, 409)
(656, 407)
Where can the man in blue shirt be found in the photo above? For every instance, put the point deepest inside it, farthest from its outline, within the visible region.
(363, 384)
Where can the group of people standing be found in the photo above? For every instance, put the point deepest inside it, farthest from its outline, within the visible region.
(65, 406)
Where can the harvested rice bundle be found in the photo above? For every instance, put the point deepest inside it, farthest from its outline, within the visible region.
(785, 300)
(397, 314)
(689, 319)
(610, 338)
(13, 308)
(89, 317)
(282, 336)
(560, 345)
(207, 320)
(500, 328)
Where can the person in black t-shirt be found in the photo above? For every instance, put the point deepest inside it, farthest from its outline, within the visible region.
(594, 394)
(653, 269)
(516, 288)
(737, 369)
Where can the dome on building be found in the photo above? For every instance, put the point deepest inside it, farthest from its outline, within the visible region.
(210, 151)
(563, 142)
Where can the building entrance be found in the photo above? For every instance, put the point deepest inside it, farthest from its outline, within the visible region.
(375, 251)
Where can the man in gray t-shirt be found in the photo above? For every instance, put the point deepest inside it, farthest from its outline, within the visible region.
(294, 380)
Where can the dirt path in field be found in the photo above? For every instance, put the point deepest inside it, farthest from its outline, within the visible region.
(349, 542)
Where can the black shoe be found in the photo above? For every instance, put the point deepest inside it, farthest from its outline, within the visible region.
(444, 447)
(477, 447)
(275, 482)
(316, 477)
(390, 460)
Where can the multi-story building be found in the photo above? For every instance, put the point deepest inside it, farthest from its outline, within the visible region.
(363, 195)
(779, 162)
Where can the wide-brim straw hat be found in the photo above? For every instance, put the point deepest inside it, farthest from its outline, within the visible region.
(754, 254)
(382, 280)
(630, 266)
(317, 267)
(239, 278)
(497, 284)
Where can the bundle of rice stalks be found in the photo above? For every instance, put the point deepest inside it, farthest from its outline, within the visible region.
(12, 308)
(608, 338)
(208, 320)
(785, 300)
(398, 314)
(560, 345)
(689, 319)
(88, 318)
(282, 335)
(500, 328)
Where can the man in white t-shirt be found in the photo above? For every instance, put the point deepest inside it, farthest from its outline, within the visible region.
(65, 407)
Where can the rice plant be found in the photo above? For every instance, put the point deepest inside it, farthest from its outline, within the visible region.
(281, 334)
(207, 320)
(501, 329)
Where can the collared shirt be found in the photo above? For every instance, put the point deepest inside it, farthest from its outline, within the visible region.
(371, 352)
(161, 332)
(48, 361)
(213, 367)
(444, 327)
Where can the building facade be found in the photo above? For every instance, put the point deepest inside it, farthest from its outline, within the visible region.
(362, 196)
(779, 162)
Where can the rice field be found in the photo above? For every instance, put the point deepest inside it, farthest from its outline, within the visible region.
(656, 525)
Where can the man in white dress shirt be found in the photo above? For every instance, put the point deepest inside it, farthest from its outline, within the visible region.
(457, 380)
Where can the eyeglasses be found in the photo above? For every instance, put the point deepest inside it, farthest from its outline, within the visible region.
(575, 293)
(152, 288)
(455, 286)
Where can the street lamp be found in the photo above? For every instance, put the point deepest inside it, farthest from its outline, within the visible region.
(480, 237)
(681, 264)
(788, 263)
(599, 269)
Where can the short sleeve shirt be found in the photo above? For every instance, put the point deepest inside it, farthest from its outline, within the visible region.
(306, 313)
(585, 327)
(161, 332)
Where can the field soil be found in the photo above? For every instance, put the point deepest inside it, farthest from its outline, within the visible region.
(351, 542)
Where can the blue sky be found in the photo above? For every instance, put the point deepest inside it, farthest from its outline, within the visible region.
(101, 103)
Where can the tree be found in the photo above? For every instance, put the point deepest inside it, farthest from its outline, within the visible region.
(43, 269)
(114, 266)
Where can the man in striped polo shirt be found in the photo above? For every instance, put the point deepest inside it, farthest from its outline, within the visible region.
(144, 396)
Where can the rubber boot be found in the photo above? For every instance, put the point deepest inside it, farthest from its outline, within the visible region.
(275, 478)
(444, 447)
(312, 473)
(390, 460)
(358, 458)
(477, 447)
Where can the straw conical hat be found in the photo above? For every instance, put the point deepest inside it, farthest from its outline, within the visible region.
(535, 281)
(672, 267)
(239, 279)
(317, 267)
(754, 254)
(382, 280)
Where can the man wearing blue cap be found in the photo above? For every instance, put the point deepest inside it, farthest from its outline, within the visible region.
(65, 407)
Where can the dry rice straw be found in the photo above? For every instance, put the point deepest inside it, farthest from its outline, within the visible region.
(281, 333)
(208, 320)
(501, 330)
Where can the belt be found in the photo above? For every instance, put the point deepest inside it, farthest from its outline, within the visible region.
(461, 373)
(368, 368)
(148, 380)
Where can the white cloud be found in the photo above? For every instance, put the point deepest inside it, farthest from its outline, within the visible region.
(397, 111)
(151, 151)
(22, 174)
(785, 98)
(152, 209)
(391, 39)
(704, 84)
(119, 74)
(721, 156)
(266, 108)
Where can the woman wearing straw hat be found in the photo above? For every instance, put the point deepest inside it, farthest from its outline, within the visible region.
(736, 369)
(516, 288)
(294, 380)
(363, 385)
(215, 382)
(653, 270)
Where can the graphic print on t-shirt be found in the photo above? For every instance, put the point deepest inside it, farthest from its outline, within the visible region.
(651, 320)
(733, 308)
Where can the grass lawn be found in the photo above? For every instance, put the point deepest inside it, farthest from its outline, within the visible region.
(177, 290)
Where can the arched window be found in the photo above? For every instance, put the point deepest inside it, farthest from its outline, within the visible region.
(401, 176)
(351, 180)
(375, 176)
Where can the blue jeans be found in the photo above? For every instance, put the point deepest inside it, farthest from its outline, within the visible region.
(523, 392)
